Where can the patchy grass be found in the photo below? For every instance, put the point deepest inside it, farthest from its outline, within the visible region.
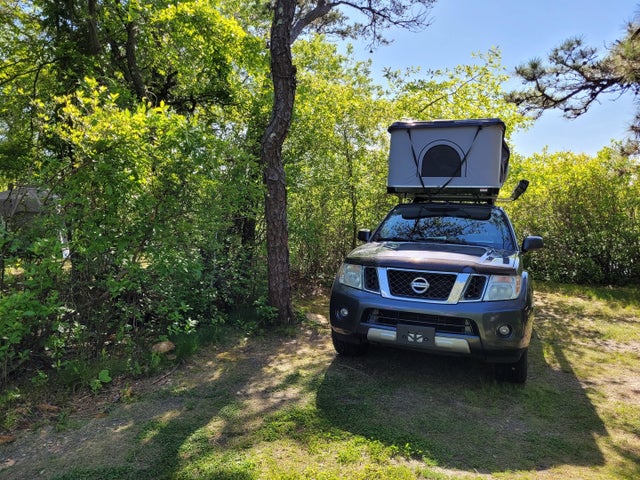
(286, 407)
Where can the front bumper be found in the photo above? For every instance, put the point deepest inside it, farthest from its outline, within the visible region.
(464, 328)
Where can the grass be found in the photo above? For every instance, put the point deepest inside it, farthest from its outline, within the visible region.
(286, 407)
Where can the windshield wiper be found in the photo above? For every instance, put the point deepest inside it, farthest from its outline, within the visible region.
(455, 241)
(392, 239)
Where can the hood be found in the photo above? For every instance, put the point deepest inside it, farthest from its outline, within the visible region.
(436, 257)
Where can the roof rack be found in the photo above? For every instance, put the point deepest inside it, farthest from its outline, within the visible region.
(484, 195)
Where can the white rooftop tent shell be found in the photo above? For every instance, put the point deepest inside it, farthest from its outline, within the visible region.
(448, 157)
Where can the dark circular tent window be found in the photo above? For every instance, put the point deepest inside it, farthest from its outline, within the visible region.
(441, 161)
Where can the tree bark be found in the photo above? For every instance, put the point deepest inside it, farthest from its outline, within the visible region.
(92, 23)
(132, 62)
(285, 28)
(284, 89)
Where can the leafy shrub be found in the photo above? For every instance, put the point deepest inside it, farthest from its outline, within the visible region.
(143, 205)
(587, 209)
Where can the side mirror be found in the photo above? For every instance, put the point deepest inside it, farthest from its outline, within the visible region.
(520, 189)
(364, 235)
(517, 192)
(532, 243)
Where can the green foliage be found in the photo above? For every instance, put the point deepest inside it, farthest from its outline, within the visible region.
(143, 135)
(21, 314)
(140, 199)
(102, 379)
(266, 313)
(576, 76)
(587, 211)
(466, 91)
(337, 151)
(131, 128)
(335, 157)
(30, 305)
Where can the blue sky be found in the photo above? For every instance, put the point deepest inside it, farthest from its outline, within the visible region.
(522, 29)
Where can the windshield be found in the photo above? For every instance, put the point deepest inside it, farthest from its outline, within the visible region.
(447, 223)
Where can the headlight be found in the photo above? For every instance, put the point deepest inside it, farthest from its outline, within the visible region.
(351, 275)
(503, 287)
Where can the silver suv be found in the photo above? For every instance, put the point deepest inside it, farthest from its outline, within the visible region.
(440, 277)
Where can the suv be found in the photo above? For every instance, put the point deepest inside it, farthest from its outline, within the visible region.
(441, 277)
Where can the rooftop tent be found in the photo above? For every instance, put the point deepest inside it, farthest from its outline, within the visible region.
(448, 157)
(21, 201)
(19, 205)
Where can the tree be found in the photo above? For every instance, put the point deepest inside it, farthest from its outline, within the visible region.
(338, 185)
(465, 91)
(130, 116)
(577, 76)
(564, 204)
(290, 19)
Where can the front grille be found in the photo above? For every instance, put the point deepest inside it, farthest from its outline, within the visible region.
(462, 326)
(440, 284)
(371, 279)
(475, 287)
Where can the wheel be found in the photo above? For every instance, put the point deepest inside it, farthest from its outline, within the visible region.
(348, 349)
(513, 372)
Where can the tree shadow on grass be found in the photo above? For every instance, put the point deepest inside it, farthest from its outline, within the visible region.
(197, 424)
(451, 412)
(447, 411)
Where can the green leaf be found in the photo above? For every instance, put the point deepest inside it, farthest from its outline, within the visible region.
(104, 377)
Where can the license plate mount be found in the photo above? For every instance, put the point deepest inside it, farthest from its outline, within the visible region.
(415, 336)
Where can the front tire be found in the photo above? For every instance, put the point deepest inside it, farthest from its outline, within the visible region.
(348, 349)
(513, 372)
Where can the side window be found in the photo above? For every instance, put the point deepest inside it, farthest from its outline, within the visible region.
(441, 161)
(500, 221)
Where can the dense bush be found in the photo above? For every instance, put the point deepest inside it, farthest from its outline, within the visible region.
(587, 209)
(146, 213)
(151, 222)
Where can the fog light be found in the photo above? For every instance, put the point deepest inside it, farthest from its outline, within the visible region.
(343, 313)
(504, 330)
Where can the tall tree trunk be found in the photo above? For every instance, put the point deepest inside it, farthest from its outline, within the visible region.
(284, 87)
(132, 62)
(353, 194)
